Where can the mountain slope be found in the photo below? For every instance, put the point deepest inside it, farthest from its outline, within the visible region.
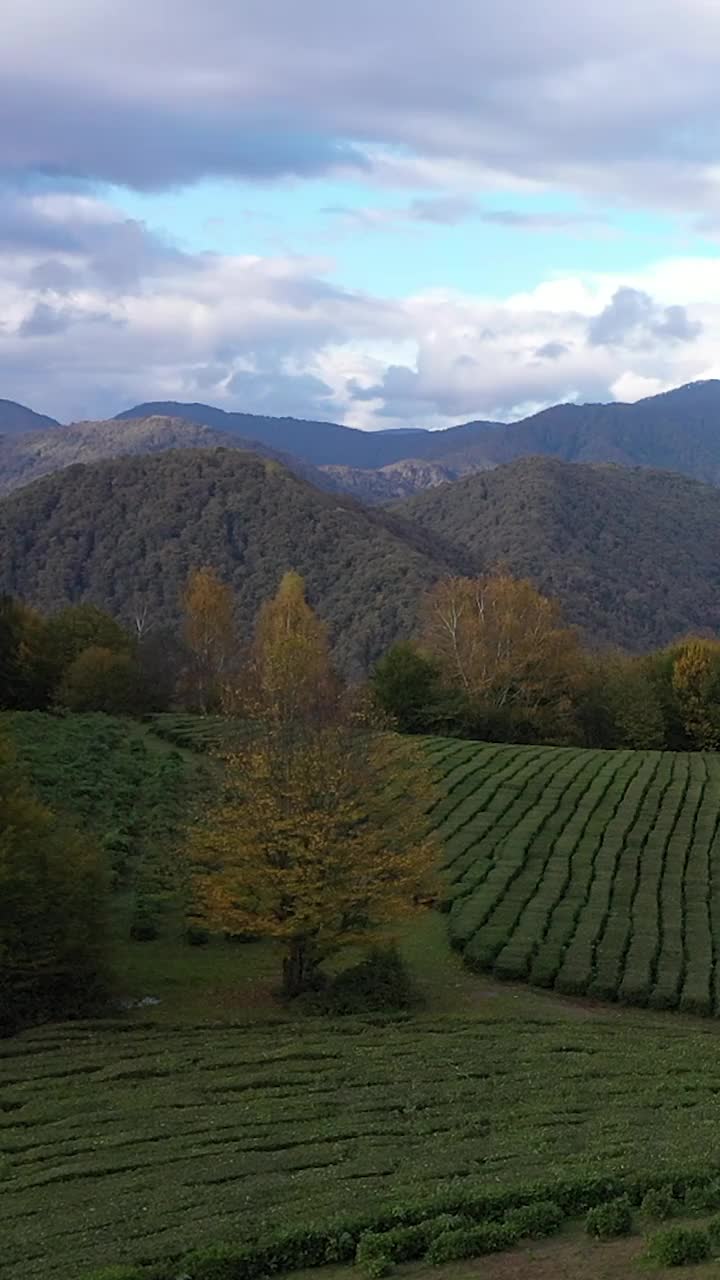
(393, 481)
(17, 418)
(131, 528)
(677, 431)
(27, 457)
(633, 555)
(322, 443)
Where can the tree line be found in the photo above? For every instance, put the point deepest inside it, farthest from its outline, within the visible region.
(494, 660)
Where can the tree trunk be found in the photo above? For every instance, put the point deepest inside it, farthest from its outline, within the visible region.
(296, 968)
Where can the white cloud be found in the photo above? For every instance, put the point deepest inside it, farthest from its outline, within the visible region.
(98, 313)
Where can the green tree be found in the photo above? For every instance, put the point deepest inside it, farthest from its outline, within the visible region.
(100, 680)
(407, 686)
(696, 685)
(52, 910)
(79, 627)
(26, 663)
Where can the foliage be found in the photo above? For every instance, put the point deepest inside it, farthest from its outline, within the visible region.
(380, 982)
(84, 626)
(700, 1199)
(210, 637)
(292, 682)
(609, 1220)
(660, 1203)
(470, 1242)
(406, 685)
(696, 685)
(52, 910)
(311, 846)
(540, 1219)
(100, 680)
(678, 1246)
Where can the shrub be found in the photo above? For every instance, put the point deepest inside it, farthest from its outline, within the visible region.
(608, 1220)
(378, 983)
(701, 1199)
(372, 1255)
(541, 1219)
(659, 1203)
(677, 1246)
(471, 1242)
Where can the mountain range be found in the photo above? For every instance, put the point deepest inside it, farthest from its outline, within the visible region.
(573, 497)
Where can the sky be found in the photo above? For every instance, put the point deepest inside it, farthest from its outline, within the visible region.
(388, 214)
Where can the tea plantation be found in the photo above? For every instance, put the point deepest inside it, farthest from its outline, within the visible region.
(130, 1141)
(214, 1117)
(591, 872)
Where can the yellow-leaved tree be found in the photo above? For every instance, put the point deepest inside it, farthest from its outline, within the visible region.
(320, 838)
(696, 685)
(209, 633)
(503, 644)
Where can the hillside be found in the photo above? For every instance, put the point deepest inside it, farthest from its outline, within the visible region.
(676, 431)
(115, 531)
(633, 555)
(27, 457)
(17, 418)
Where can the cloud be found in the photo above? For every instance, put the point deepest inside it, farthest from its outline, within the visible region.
(618, 99)
(97, 313)
(633, 316)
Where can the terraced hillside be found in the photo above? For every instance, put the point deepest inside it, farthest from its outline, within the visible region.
(591, 872)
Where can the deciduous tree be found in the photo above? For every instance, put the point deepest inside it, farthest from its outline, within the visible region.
(318, 847)
(321, 835)
(501, 642)
(209, 632)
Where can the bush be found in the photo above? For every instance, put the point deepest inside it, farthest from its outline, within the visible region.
(117, 1273)
(537, 1220)
(378, 983)
(372, 1255)
(659, 1203)
(609, 1220)
(703, 1198)
(678, 1246)
(471, 1242)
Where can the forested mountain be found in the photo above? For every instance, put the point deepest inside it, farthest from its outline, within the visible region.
(127, 531)
(29, 456)
(632, 554)
(16, 418)
(677, 431)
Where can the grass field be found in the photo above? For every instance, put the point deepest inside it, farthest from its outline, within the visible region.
(593, 872)
(215, 1115)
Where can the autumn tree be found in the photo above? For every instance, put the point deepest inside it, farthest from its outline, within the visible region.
(503, 644)
(291, 676)
(209, 633)
(320, 837)
(52, 910)
(696, 685)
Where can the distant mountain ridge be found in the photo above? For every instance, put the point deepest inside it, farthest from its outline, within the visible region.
(17, 418)
(677, 431)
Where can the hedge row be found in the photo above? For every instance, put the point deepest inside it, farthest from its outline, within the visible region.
(443, 1228)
